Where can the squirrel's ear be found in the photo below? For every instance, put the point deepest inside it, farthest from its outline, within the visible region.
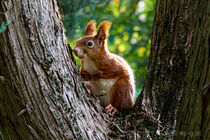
(103, 30)
(90, 28)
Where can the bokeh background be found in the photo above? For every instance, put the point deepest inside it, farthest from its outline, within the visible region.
(132, 22)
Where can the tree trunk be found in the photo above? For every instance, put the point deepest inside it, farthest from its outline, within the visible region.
(41, 96)
(178, 74)
(193, 120)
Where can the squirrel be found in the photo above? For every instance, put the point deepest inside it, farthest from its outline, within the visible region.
(108, 76)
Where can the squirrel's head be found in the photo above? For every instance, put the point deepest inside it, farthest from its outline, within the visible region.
(92, 43)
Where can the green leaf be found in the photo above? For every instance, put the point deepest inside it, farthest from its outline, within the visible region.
(4, 25)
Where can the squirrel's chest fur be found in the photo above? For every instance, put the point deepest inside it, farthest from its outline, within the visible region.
(101, 87)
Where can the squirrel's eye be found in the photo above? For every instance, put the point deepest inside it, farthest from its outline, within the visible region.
(90, 43)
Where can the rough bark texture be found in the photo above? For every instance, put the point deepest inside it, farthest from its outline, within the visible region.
(193, 120)
(41, 96)
(178, 71)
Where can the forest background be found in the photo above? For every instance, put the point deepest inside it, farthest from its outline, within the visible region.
(130, 34)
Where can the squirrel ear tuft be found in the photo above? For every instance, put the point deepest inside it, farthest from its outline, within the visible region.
(103, 30)
(90, 28)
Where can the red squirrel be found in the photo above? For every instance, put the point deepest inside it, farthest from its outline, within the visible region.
(108, 76)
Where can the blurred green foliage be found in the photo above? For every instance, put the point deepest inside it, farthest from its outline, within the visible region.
(132, 22)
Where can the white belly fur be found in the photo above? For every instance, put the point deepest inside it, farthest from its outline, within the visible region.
(99, 87)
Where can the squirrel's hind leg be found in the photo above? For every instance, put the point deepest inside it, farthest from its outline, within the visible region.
(121, 95)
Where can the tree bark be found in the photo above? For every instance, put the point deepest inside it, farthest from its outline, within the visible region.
(193, 119)
(41, 94)
(178, 74)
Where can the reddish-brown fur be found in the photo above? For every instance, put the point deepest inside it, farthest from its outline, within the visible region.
(110, 66)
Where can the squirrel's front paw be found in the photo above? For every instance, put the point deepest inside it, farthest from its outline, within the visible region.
(111, 109)
(85, 76)
(96, 76)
